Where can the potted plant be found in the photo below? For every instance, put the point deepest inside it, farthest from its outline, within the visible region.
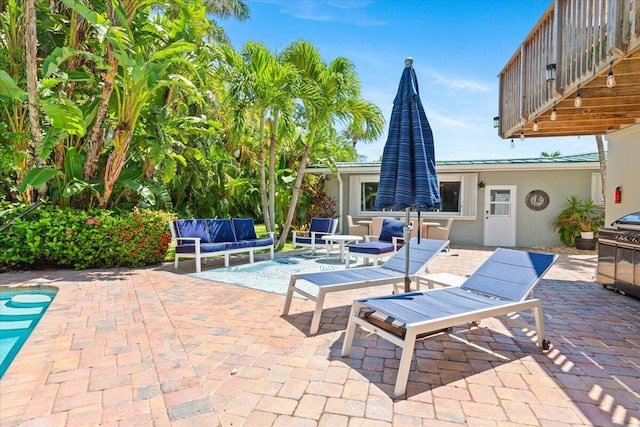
(579, 216)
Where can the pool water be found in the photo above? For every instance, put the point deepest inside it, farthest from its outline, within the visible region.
(20, 312)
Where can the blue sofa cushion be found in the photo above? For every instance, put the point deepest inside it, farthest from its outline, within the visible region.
(391, 228)
(371, 248)
(261, 241)
(204, 248)
(193, 228)
(321, 225)
(220, 230)
(238, 245)
(244, 228)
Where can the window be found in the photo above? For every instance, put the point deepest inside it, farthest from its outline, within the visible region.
(450, 195)
(457, 191)
(368, 194)
(500, 203)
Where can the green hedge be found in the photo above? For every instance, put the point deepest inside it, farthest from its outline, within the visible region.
(82, 239)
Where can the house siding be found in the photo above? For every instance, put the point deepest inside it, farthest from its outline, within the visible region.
(533, 228)
(623, 169)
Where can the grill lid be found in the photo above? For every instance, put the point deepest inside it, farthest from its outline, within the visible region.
(629, 221)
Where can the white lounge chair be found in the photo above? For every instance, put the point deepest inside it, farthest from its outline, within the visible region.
(391, 272)
(501, 285)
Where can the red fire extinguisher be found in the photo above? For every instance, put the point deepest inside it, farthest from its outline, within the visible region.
(617, 195)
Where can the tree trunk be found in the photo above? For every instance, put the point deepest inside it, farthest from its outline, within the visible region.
(296, 191)
(115, 162)
(31, 52)
(96, 135)
(263, 176)
(272, 171)
(603, 166)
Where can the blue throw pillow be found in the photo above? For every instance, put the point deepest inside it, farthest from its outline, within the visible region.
(244, 228)
(192, 228)
(221, 230)
(391, 228)
(321, 225)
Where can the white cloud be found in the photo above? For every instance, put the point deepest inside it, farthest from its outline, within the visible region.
(352, 12)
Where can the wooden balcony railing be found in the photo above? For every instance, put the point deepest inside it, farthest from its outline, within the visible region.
(584, 39)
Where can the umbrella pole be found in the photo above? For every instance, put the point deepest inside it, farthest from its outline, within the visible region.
(407, 241)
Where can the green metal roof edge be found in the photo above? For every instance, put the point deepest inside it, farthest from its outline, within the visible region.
(574, 158)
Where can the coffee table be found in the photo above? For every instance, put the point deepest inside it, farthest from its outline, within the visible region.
(341, 240)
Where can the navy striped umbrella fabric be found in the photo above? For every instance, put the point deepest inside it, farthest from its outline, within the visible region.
(408, 176)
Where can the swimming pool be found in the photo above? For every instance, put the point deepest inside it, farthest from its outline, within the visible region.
(20, 311)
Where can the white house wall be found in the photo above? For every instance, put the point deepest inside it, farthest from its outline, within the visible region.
(623, 169)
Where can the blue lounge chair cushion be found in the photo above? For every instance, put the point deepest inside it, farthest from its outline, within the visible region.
(192, 228)
(391, 228)
(204, 248)
(372, 248)
(244, 228)
(220, 230)
(321, 225)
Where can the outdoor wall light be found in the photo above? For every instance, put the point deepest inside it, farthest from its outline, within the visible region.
(550, 72)
(577, 102)
(554, 113)
(522, 135)
(513, 144)
(481, 185)
(496, 121)
(611, 80)
(535, 125)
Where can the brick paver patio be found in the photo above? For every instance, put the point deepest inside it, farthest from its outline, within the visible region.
(153, 347)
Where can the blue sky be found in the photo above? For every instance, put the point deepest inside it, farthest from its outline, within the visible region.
(458, 46)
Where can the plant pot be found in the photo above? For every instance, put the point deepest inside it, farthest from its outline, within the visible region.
(585, 244)
(586, 235)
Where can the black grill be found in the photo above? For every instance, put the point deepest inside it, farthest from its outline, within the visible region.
(619, 255)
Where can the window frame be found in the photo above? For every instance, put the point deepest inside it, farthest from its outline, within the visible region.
(468, 198)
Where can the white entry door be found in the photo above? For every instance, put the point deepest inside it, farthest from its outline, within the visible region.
(500, 215)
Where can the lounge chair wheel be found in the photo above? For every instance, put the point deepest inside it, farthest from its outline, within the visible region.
(546, 344)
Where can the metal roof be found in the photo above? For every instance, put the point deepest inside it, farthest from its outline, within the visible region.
(480, 164)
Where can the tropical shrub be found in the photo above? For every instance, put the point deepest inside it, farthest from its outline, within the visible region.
(81, 239)
(579, 215)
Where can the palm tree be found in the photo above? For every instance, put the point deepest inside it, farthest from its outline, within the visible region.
(328, 93)
(262, 85)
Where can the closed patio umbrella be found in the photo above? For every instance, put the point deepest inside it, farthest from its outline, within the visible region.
(408, 178)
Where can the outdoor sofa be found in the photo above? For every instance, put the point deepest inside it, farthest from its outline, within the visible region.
(204, 238)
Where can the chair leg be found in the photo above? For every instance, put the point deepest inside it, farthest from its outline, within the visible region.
(405, 364)
(251, 256)
(198, 264)
(317, 313)
(350, 331)
(226, 260)
(537, 315)
(271, 250)
(287, 300)
(175, 263)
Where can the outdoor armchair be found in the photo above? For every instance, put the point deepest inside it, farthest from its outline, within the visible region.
(313, 238)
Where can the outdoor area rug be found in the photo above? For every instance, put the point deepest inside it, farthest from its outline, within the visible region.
(272, 275)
